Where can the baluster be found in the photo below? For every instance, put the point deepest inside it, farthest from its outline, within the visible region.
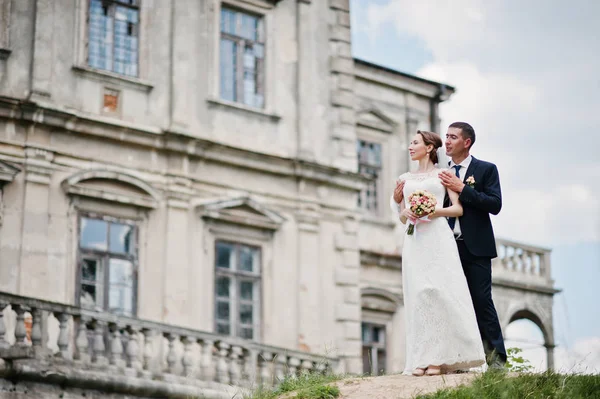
(234, 365)
(266, 377)
(222, 369)
(188, 358)
(3, 342)
(294, 363)
(321, 367)
(280, 366)
(82, 342)
(36, 329)
(20, 331)
(250, 374)
(63, 336)
(148, 351)
(172, 356)
(116, 347)
(206, 364)
(98, 348)
(133, 349)
(307, 367)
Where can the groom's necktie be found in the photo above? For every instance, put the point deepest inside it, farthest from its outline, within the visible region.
(452, 220)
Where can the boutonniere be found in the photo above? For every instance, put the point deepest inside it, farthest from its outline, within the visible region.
(470, 181)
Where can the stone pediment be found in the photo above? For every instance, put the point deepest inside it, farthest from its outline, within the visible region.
(375, 119)
(112, 186)
(7, 172)
(242, 211)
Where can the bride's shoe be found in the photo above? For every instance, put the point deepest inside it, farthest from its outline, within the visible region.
(433, 370)
(419, 372)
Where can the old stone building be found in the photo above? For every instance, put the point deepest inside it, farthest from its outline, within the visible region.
(194, 198)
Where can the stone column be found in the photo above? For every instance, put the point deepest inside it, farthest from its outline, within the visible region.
(348, 310)
(177, 307)
(42, 50)
(307, 87)
(309, 282)
(35, 277)
(342, 86)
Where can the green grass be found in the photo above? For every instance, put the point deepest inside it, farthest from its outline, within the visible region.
(307, 386)
(548, 385)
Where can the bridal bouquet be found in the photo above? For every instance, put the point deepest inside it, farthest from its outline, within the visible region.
(422, 203)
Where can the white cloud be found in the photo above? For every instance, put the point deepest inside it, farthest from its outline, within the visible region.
(583, 357)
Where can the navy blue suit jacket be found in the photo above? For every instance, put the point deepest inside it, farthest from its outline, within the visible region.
(478, 203)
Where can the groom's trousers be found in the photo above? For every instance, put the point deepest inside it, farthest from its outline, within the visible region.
(478, 272)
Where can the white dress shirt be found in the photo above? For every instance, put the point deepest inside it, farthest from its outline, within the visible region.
(462, 172)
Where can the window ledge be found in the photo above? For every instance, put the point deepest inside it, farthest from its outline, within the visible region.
(114, 78)
(244, 108)
(4, 53)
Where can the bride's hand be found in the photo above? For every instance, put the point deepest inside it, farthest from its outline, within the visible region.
(407, 213)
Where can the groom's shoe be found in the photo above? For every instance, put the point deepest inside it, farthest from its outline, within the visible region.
(497, 364)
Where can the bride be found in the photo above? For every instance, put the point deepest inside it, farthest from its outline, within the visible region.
(441, 329)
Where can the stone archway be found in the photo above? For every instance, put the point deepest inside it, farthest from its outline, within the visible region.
(547, 330)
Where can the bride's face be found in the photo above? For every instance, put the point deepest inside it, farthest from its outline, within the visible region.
(417, 148)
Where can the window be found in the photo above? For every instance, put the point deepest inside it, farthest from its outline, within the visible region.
(373, 341)
(108, 264)
(113, 36)
(237, 289)
(242, 55)
(369, 164)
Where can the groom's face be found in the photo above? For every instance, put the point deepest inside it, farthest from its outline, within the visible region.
(455, 142)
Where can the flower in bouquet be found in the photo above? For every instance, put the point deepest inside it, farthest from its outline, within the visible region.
(422, 203)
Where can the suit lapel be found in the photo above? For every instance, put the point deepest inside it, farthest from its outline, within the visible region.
(471, 168)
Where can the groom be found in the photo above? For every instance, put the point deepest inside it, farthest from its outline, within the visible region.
(478, 185)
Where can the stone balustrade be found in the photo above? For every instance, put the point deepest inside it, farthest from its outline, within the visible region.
(130, 348)
(523, 262)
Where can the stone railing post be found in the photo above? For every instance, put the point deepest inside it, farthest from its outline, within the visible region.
(294, 363)
(82, 342)
(63, 335)
(36, 329)
(266, 373)
(235, 372)
(189, 364)
(280, 367)
(148, 352)
(3, 342)
(307, 366)
(98, 348)
(133, 350)
(20, 331)
(207, 366)
(116, 347)
(222, 366)
(172, 355)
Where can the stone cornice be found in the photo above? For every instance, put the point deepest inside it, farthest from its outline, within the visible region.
(177, 142)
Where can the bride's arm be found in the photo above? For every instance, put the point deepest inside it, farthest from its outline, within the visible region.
(455, 210)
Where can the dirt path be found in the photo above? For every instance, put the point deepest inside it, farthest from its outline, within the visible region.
(398, 386)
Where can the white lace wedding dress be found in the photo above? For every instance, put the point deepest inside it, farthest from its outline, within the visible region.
(441, 328)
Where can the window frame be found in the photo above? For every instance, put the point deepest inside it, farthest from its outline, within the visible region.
(377, 180)
(104, 257)
(86, 53)
(261, 72)
(236, 276)
(375, 347)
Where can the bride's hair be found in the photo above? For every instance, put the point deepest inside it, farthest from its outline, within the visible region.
(434, 139)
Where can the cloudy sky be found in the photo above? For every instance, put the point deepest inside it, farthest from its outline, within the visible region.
(528, 79)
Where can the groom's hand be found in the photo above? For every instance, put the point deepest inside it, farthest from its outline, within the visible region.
(398, 195)
(451, 182)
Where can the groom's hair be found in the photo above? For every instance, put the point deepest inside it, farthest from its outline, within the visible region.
(467, 131)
